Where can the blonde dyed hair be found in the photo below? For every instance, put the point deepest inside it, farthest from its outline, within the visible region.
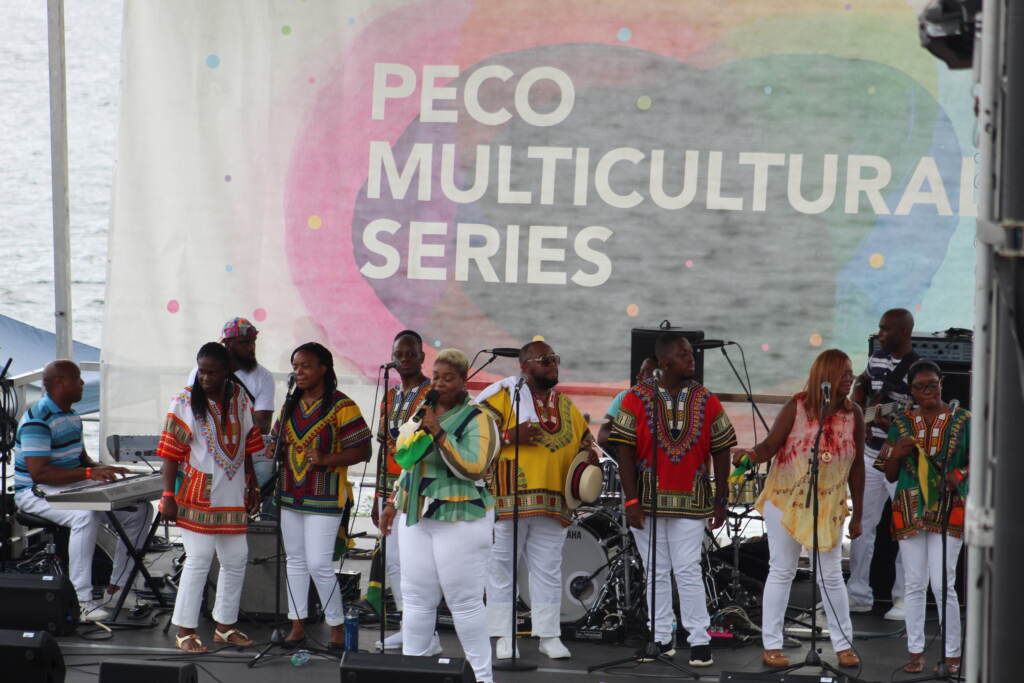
(455, 358)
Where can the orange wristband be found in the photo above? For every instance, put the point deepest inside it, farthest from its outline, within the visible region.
(631, 501)
(88, 473)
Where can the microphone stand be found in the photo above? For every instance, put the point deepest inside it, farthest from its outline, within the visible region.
(382, 480)
(942, 672)
(746, 389)
(276, 636)
(813, 658)
(651, 651)
(490, 360)
(515, 664)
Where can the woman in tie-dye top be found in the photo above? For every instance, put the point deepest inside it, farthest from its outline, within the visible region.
(790, 521)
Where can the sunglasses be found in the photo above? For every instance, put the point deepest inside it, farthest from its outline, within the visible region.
(550, 359)
(931, 386)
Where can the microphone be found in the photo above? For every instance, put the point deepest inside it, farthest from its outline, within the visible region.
(711, 344)
(826, 392)
(656, 374)
(291, 381)
(390, 366)
(954, 406)
(503, 351)
(429, 400)
(520, 382)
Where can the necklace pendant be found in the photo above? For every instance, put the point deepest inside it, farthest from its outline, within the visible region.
(826, 457)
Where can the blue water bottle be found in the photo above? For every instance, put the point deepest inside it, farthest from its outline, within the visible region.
(301, 658)
(352, 629)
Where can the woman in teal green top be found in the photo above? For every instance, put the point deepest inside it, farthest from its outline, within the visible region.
(447, 515)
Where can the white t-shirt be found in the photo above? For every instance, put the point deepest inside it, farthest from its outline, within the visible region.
(258, 381)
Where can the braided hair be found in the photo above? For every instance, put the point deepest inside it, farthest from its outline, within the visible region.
(200, 402)
(330, 378)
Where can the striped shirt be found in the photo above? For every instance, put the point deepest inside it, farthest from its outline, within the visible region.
(879, 364)
(46, 431)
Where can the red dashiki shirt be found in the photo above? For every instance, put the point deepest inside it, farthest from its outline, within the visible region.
(690, 427)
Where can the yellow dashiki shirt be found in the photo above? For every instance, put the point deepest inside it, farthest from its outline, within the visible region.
(313, 488)
(563, 432)
(790, 476)
(213, 450)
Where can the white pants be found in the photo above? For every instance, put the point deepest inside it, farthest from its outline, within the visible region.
(876, 491)
(449, 559)
(84, 525)
(232, 553)
(541, 539)
(784, 554)
(678, 549)
(922, 564)
(309, 544)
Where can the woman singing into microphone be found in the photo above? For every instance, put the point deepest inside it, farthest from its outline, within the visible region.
(922, 444)
(789, 521)
(323, 433)
(447, 517)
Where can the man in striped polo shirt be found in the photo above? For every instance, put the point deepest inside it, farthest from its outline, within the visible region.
(883, 382)
(48, 456)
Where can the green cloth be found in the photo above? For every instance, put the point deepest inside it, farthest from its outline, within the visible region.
(447, 483)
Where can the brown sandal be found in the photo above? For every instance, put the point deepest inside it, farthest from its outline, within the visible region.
(915, 664)
(183, 643)
(952, 665)
(848, 658)
(774, 658)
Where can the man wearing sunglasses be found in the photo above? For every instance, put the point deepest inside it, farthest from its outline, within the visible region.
(883, 383)
(550, 431)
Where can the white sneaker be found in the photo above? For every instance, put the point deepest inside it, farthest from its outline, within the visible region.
(91, 611)
(896, 612)
(861, 607)
(392, 642)
(503, 648)
(554, 649)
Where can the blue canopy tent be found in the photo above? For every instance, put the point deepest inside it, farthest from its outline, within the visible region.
(31, 348)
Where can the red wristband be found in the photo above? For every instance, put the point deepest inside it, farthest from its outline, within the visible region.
(631, 501)
(167, 494)
(88, 473)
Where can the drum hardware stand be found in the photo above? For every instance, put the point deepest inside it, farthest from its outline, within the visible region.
(382, 478)
(652, 650)
(813, 658)
(8, 429)
(515, 664)
(942, 672)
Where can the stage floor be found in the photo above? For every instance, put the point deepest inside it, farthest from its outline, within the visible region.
(881, 644)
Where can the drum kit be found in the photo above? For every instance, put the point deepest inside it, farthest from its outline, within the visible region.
(603, 587)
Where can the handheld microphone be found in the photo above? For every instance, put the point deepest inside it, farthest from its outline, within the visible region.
(711, 344)
(656, 374)
(390, 366)
(503, 351)
(826, 392)
(429, 400)
(954, 406)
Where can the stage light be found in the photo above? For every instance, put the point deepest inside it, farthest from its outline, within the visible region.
(946, 28)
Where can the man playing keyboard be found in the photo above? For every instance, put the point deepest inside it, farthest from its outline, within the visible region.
(48, 457)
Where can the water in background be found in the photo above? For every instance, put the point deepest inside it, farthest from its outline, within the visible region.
(93, 46)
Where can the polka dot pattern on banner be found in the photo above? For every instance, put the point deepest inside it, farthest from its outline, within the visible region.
(259, 315)
(689, 263)
(212, 61)
(767, 90)
(173, 306)
(437, 343)
(227, 178)
(229, 267)
(643, 103)
(871, 90)
(312, 80)
(876, 261)
(314, 222)
(815, 339)
(766, 347)
(286, 30)
(918, 307)
(625, 35)
(632, 310)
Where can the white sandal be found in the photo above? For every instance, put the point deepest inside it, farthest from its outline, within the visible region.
(225, 637)
(181, 640)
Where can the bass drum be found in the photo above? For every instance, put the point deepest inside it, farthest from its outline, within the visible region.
(591, 542)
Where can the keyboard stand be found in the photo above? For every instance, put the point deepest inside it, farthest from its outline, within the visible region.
(137, 555)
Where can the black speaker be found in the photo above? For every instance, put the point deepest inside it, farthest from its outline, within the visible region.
(38, 602)
(641, 346)
(129, 671)
(257, 601)
(30, 657)
(952, 353)
(369, 667)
